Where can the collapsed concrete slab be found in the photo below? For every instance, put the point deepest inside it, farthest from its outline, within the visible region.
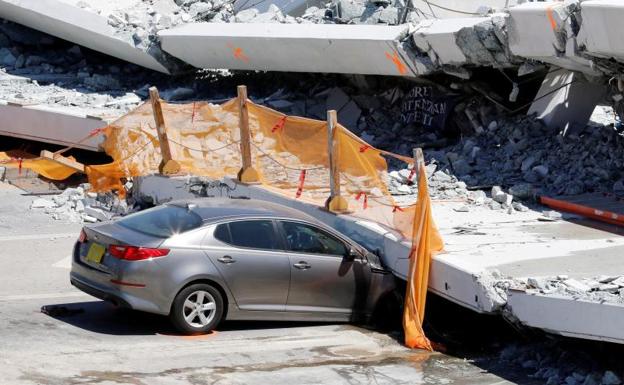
(550, 38)
(601, 34)
(567, 99)
(65, 19)
(353, 49)
(569, 317)
(50, 125)
(463, 41)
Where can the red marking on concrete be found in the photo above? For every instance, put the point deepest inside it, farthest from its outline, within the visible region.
(238, 53)
(394, 58)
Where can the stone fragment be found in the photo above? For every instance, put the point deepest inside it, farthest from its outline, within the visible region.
(41, 203)
(498, 195)
(97, 213)
(576, 285)
(610, 378)
(522, 191)
(404, 189)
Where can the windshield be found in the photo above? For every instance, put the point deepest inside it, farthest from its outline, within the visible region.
(162, 221)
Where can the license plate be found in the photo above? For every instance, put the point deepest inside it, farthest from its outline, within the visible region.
(96, 251)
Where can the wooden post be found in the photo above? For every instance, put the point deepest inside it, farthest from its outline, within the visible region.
(419, 160)
(168, 165)
(63, 160)
(335, 203)
(248, 173)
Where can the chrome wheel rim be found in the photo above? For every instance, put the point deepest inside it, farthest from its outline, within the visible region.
(199, 309)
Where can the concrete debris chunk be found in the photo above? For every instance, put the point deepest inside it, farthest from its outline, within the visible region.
(610, 378)
(576, 285)
(41, 203)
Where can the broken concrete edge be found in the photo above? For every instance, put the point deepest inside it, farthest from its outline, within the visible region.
(51, 125)
(79, 26)
(409, 50)
(572, 318)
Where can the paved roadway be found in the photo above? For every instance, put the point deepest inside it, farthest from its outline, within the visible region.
(90, 342)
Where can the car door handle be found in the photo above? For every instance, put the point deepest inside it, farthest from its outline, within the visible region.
(302, 265)
(226, 259)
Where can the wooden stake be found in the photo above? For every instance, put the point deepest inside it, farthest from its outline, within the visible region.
(248, 173)
(335, 203)
(419, 160)
(168, 165)
(63, 160)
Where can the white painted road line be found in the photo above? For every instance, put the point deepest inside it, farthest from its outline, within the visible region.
(21, 297)
(38, 236)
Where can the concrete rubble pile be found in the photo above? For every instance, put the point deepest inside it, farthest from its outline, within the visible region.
(531, 159)
(598, 289)
(554, 364)
(40, 69)
(78, 204)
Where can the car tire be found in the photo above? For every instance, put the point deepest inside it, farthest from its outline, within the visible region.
(197, 309)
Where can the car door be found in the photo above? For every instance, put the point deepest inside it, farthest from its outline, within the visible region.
(249, 257)
(323, 277)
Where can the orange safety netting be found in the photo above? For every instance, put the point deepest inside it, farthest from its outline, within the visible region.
(291, 157)
(425, 243)
(46, 167)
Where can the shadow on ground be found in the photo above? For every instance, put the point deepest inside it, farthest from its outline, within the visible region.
(104, 318)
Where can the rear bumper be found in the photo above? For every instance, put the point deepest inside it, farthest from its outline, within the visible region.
(97, 293)
(132, 298)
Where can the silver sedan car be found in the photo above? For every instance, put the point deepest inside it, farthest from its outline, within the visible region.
(202, 261)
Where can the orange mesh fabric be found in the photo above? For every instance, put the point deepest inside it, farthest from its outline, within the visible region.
(45, 167)
(426, 242)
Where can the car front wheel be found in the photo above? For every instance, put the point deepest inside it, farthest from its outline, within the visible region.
(197, 309)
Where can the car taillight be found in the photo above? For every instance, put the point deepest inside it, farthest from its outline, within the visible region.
(82, 237)
(133, 253)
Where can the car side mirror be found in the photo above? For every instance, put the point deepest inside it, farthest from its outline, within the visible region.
(352, 254)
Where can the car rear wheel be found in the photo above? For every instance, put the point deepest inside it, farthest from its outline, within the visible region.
(197, 309)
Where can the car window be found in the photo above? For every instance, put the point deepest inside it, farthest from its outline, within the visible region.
(222, 233)
(162, 221)
(309, 239)
(256, 234)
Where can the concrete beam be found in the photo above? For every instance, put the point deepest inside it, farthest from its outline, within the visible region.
(569, 317)
(537, 29)
(353, 49)
(67, 21)
(567, 99)
(461, 41)
(550, 38)
(601, 33)
(49, 125)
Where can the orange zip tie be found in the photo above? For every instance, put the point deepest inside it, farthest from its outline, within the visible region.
(364, 148)
(365, 203)
(279, 125)
(19, 166)
(302, 177)
(396, 208)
